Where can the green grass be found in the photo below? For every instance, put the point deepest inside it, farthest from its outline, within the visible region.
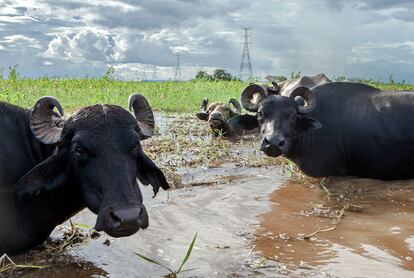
(172, 273)
(163, 96)
(391, 86)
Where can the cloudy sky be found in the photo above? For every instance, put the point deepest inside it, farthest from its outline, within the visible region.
(356, 38)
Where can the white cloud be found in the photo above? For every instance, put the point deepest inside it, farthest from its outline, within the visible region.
(124, 7)
(85, 45)
(20, 41)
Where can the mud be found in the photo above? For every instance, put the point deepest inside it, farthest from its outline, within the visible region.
(373, 225)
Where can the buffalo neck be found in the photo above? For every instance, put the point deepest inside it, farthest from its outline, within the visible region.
(57, 205)
(298, 148)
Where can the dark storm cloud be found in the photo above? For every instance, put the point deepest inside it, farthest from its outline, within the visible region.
(152, 14)
(358, 38)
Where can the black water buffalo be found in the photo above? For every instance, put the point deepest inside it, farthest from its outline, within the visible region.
(51, 168)
(342, 129)
(219, 115)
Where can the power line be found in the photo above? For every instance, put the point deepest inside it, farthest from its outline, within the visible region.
(246, 71)
(154, 73)
(177, 76)
(144, 75)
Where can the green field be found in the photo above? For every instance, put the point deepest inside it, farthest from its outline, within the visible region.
(163, 96)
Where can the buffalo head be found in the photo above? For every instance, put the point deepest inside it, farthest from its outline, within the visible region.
(280, 119)
(218, 113)
(98, 155)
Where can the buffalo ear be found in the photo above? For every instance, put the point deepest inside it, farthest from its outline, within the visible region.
(308, 123)
(202, 116)
(149, 173)
(47, 175)
(247, 122)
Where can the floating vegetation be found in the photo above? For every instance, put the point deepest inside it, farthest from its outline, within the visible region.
(49, 254)
(8, 266)
(75, 234)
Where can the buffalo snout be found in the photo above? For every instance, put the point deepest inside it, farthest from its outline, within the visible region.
(274, 146)
(121, 222)
(216, 116)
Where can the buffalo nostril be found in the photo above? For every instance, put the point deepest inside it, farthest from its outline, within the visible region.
(116, 220)
(265, 144)
(281, 143)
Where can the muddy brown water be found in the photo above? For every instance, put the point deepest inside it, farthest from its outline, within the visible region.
(251, 223)
(374, 236)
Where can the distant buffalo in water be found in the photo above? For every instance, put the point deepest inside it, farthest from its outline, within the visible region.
(219, 115)
(51, 168)
(336, 129)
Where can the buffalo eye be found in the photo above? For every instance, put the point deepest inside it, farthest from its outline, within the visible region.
(80, 152)
(293, 117)
(259, 115)
(136, 148)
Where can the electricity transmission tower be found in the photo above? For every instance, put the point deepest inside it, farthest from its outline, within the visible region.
(144, 75)
(177, 76)
(154, 73)
(246, 71)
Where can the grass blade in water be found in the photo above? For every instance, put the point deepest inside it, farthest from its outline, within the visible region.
(190, 249)
(153, 261)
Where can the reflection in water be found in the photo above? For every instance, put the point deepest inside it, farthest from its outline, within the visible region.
(373, 220)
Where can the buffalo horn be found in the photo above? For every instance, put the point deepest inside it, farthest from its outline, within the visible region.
(236, 105)
(307, 95)
(45, 123)
(248, 96)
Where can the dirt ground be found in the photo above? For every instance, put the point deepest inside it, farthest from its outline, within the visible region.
(254, 217)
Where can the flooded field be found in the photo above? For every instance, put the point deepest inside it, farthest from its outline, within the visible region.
(253, 215)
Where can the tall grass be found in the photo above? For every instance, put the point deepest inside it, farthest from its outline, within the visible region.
(163, 96)
(75, 93)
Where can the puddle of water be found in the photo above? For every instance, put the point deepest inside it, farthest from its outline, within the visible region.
(223, 215)
(226, 173)
(374, 235)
